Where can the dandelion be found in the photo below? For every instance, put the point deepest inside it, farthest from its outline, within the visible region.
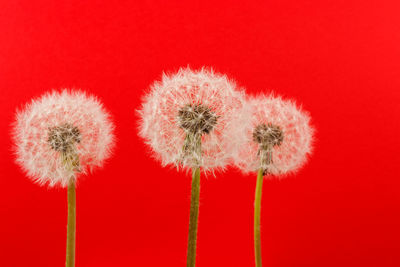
(59, 137)
(192, 120)
(279, 139)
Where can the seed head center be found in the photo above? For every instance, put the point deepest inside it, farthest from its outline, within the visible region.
(268, 135)
(62, 138)
(197, 119)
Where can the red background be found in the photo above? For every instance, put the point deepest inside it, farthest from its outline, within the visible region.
(340, 59)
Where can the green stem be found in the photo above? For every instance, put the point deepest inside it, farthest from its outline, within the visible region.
(194, 214)
(71, 227)
(257, 215)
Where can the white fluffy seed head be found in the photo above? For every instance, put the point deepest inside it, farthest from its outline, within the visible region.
(189, 106)
(61, 135)
(291, 131)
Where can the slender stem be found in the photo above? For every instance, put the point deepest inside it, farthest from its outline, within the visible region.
(194, 214)
(257, 215)
(71, 227)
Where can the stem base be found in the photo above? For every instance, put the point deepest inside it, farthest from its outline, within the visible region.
(194, 214)
(257, 218)
(71, 226)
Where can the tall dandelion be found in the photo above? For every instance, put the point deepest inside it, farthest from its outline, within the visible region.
(192, 120)
(59, 137)
(278, 141)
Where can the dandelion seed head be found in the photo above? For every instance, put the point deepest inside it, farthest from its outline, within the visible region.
(62, 135)
(192, 118)
(279, 136)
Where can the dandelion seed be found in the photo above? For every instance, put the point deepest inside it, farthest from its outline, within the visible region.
(194, 120)
(279, 139)
(57, 138)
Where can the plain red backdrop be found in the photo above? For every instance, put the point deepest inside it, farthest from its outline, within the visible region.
(340, 59)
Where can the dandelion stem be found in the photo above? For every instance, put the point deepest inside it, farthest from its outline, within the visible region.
(71, 227)
(194, 214)
(257, 215)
